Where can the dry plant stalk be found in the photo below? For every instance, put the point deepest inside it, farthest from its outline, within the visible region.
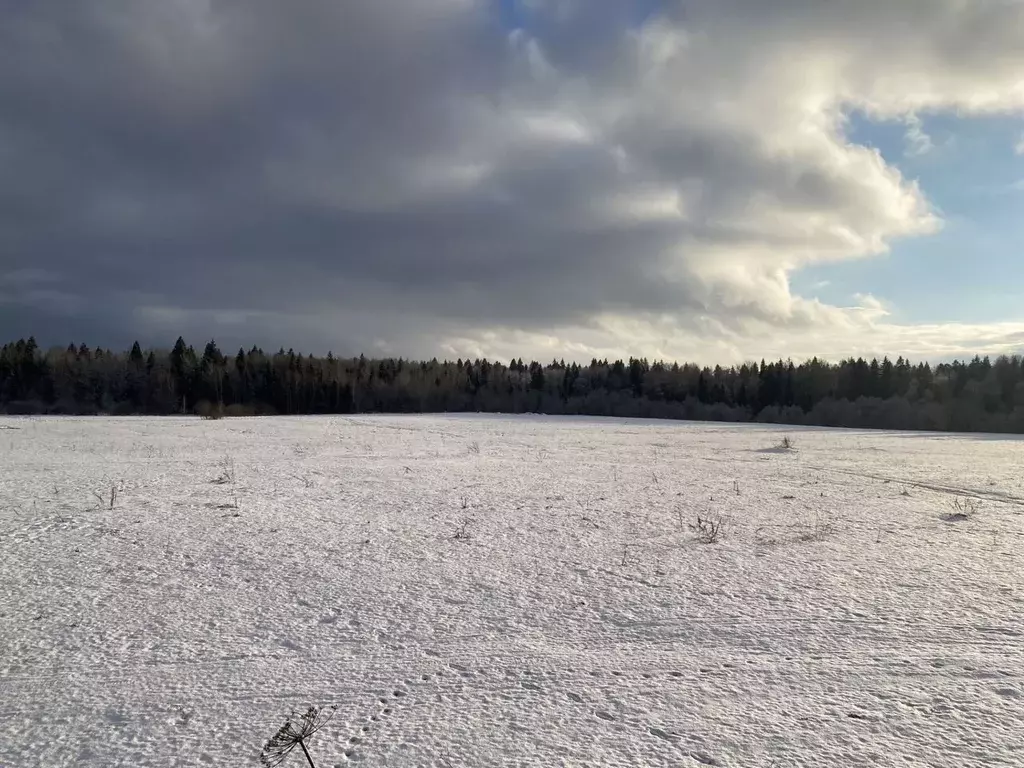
(295, 732)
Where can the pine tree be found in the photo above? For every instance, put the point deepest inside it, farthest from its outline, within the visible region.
(135, 356)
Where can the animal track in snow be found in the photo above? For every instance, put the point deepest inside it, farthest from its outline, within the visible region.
(384, 711)
(552, 682)
(510, 684)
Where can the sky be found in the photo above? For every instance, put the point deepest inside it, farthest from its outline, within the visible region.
(703, 180)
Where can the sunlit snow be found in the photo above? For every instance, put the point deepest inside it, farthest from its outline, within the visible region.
(498, 591)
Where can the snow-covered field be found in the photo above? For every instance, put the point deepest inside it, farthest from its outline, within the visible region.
(490, 591)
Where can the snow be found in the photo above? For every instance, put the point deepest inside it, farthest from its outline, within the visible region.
(254, 566)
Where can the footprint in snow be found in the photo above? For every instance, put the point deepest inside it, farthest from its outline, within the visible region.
(700, 757)
(661, 733)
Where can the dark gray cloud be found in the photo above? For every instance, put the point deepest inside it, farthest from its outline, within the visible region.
(418, 177)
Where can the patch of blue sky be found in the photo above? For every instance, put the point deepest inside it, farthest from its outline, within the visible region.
(973, 270)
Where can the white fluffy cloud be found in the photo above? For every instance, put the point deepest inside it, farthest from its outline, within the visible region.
(423, 179)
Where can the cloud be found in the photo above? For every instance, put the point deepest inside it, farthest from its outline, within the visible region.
(422, 178)
(918, 142)
(1019, 146)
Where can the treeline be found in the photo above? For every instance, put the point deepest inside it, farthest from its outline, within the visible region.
(980, 395)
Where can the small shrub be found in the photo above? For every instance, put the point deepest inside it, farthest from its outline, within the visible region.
(236, 410)
(963, 508)
(628, 558)
(112, 500)
(227, 473)
(819, 530)
(708, 530)
(462, 531)
(787, 443)
(210, 411)
(474, 447)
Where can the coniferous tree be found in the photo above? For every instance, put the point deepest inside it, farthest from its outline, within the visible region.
(980, 394)
(135, 356)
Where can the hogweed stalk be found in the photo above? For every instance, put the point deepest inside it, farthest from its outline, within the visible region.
(296, 731)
